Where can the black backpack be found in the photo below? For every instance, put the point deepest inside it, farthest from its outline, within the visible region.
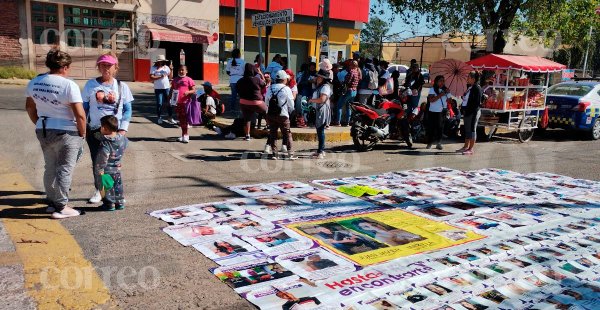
(274, 107)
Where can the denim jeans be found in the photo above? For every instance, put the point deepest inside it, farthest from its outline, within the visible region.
(233, 103)
(162, 98)
(345, 99)
(321, 138)
(60, 149)
(94, 146)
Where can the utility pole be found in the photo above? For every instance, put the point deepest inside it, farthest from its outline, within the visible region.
(268, 30)
(325, 35)
(422, 47)
(241, 16)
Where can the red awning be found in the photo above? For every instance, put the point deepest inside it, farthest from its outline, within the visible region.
(526, 63)
(178, 34)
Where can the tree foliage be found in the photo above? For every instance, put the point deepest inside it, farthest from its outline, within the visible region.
(493, 17)
(372, 35)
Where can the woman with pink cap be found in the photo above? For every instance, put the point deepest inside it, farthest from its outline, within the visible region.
(105, 95)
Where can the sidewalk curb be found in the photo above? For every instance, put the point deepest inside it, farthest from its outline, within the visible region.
(297, 136)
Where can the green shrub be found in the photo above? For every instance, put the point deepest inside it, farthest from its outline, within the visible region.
(16, 72)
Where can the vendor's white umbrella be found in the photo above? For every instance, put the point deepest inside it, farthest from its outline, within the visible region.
(455, 72)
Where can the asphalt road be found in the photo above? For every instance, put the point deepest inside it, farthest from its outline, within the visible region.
(161, 173)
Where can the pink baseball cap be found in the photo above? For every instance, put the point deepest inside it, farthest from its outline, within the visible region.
(107, 59)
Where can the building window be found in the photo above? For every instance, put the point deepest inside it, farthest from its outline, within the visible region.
(44, 22)
(77, 16)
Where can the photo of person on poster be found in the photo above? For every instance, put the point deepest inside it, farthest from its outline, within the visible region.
(223, 248)
(293, 302)
(382, 232)
(342, 239)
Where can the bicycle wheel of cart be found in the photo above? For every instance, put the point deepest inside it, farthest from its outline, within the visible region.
(526, 128)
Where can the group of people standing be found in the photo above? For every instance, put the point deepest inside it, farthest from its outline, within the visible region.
(64, 117)
(272, 93)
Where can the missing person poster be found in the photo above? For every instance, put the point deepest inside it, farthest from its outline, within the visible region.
(376, 237)
(315, 264)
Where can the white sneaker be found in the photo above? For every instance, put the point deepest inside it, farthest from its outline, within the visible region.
(218, 130)
(160, 120)
(284, 149)
(186, 139)
(268, 150)
(291, 155)
(65, 213)
(96, 198)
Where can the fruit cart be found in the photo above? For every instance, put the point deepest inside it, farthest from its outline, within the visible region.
(515, 100)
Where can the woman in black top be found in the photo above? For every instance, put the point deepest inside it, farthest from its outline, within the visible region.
(249, 87)
(472, 112)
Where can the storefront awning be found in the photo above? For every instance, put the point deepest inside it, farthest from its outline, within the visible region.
(136, 2)
(179, 34)
(527, 63)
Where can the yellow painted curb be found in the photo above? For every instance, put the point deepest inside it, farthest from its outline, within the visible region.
(57, 275)
(299, 136)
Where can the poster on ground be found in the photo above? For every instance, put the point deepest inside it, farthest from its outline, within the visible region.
(376, 237)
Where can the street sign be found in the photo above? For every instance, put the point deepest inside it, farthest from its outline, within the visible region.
(228, 46)
(273, 18)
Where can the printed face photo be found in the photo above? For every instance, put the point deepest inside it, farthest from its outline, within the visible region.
(486, 251)
(478, 274)
(519, 263)
(318, 197)
(499, 269)
(467, 256)
(316, 262)
(566, 247)
(472, 305)
(518, 241)
(254, 189)
(434, 211)
(437, 289)
(223, 248)
(516, 289)
(460, 205)
(275, 202)
(215, 209)
(286, 185)
(341, 238)
(494, 296)
(447, 261)
(254, 275)
(240, 223)
(553, 275)
(381, 232)
(535, 281)
(592, 238)
(551, 251)
(503, 246)
(573, 294)
(537, 258)
(459, 281)
(275, 239)
(413, 296)
(585, 262)
(454, 234)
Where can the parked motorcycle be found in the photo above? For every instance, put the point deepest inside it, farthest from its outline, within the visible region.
(380, 120)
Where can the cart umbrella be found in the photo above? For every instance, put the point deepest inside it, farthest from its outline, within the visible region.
(455, 72)
(513, 62)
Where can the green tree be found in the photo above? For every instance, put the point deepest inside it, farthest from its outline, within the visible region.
(372, 36)
(493, 17)
(569, 27)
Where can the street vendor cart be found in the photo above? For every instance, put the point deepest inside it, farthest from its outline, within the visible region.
(516, 89)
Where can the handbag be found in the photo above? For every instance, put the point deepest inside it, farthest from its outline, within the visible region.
(193, 111)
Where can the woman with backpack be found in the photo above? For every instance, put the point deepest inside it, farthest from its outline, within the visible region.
(280, 105)
(251, 99)
(472, 112)
(320, 99)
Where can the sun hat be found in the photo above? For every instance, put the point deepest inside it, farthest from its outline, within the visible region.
(107, 59)
(160, 58)
(281, 75)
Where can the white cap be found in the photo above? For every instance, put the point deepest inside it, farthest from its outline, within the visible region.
(281, 75)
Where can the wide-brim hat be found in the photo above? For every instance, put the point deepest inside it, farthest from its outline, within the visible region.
(160, 58)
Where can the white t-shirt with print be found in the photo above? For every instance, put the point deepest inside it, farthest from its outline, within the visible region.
(162, 83)
(440, 104)
(235, 72)
(210, 105)
(53, 96)
(103, 100)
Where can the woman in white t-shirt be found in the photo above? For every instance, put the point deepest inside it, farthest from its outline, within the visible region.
(54, 105)
(102, 96)
(235, 70)
(161, 74)
(437, 98)
(320, 99)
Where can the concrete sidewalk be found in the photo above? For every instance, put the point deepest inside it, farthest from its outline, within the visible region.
(333, 134)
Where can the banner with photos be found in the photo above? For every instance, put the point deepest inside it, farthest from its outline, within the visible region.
(434, 238)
